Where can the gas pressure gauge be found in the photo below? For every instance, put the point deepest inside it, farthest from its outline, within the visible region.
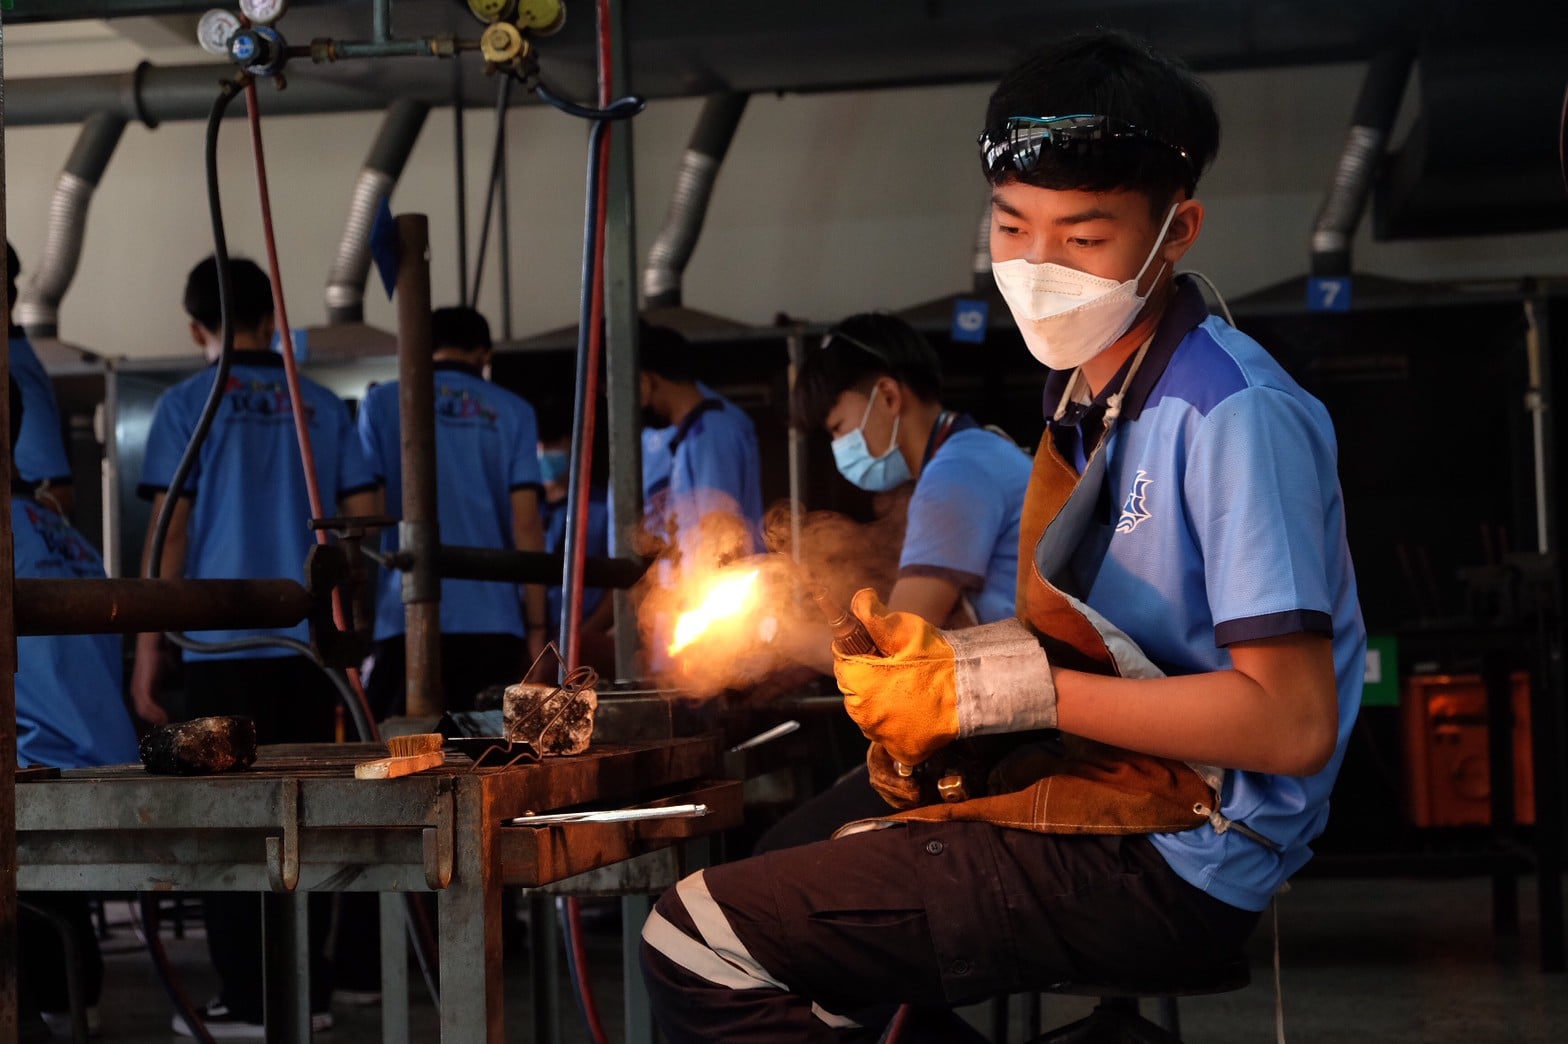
(491, 10)
(264, 12)
(215, 30)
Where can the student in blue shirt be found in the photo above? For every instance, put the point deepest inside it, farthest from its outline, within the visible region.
(699, 449)
(41, 459)
(70, 713)
(874, 384)
(1190, 607)
(244, 513)
(487, 495)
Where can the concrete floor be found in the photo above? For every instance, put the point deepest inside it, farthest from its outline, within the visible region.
(1363, 960)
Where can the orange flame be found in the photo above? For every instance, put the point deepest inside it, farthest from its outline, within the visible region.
(727, 597)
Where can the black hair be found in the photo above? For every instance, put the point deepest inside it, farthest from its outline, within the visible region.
(16, 411)
(250, 297)
(665, 353)
(1112, 74)
(854, 354)
(554, 416)
(459, 327)
(13, 268)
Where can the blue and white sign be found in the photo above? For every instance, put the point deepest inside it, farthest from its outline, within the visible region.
(1328, 294)
(970, 318)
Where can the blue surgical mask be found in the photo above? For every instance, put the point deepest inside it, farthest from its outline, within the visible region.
(855, 462)
(553, 465)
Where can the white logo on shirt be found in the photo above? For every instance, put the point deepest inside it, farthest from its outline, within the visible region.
(1134, 510)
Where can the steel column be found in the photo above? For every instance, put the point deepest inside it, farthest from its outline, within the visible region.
(8, 1022)
(620, 346)
(394, 969)
(419, 532)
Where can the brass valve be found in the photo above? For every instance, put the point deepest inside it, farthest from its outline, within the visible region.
(503, 44)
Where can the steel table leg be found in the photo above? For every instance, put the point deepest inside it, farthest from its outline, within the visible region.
(472, 998)
(286, 967)
(639, 1018)
(394, 970)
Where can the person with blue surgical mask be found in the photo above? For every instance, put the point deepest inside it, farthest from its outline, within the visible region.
(874, 386)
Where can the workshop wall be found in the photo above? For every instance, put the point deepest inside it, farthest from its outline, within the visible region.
(827, 204)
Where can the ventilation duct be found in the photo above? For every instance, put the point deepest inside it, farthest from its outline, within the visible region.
(38, 307)
(346, 282)
(699, 169)
(1359, 158)
(1482, 155)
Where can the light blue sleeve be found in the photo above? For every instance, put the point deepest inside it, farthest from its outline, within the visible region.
(709, 472)
(170, 431)
(1260, 473)
(370, 434)
(523, 468)
(956, 516)
(355, 472)
(40, 449)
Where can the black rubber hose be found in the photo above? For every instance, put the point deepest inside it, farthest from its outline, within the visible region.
(497, 154)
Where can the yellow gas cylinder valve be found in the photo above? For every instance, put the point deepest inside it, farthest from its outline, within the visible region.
(502, 44)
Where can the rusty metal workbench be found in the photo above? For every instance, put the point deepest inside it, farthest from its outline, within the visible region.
(298, 821)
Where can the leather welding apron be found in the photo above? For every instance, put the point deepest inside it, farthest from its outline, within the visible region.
(1070, 785)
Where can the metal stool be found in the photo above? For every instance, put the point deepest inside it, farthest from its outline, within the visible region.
(1115, 1020)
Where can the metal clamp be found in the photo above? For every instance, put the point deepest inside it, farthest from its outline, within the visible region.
(283, 852)
(439, 841)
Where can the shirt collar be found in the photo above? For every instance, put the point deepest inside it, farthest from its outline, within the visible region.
(1185, 312)
(254, 357)
(684, 429)
(948, 423)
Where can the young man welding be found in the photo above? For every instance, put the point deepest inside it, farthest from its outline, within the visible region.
(1187, 619)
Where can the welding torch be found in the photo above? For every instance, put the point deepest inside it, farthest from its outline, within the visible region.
(850, 638)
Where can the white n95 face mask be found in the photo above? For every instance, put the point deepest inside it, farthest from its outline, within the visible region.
(1068, 317)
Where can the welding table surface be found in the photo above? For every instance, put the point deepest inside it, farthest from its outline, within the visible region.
(298, 821)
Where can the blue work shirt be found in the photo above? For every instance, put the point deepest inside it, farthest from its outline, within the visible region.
(40, 449)
(708, 462)
(964, 516)
(70, 711)
(1225, 523)
(250, 514)
(487, 447)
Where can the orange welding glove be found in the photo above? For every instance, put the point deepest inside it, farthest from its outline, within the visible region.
(929, 687)
(900, 791)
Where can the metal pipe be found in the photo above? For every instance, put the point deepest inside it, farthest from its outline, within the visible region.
(381, 21)
(38, 309)
(699, 169)
(8, 954)
(419, 533)
(503, 240)
(534, 567)
(796, 346)
(460, 182)
(620, 378)
(151, 94)
(388, 155)
(1342, 208)
(134, 606)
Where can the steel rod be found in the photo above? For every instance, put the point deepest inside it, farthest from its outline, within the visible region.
(8, 954)
(133, 606)
(533, 567)
(419, 532)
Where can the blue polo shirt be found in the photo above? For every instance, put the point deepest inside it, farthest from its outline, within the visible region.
(487, 446)
(709, 462)
(964, 515)
(40, 449)
(70, 712)
(555, 543)
(1224, 523)
(250, 514)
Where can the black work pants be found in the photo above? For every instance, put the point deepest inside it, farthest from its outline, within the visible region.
(41, 970)
(823, 941)
(291, 701)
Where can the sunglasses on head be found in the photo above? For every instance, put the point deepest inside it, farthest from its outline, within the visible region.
(839, 335)
(1022, 141)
